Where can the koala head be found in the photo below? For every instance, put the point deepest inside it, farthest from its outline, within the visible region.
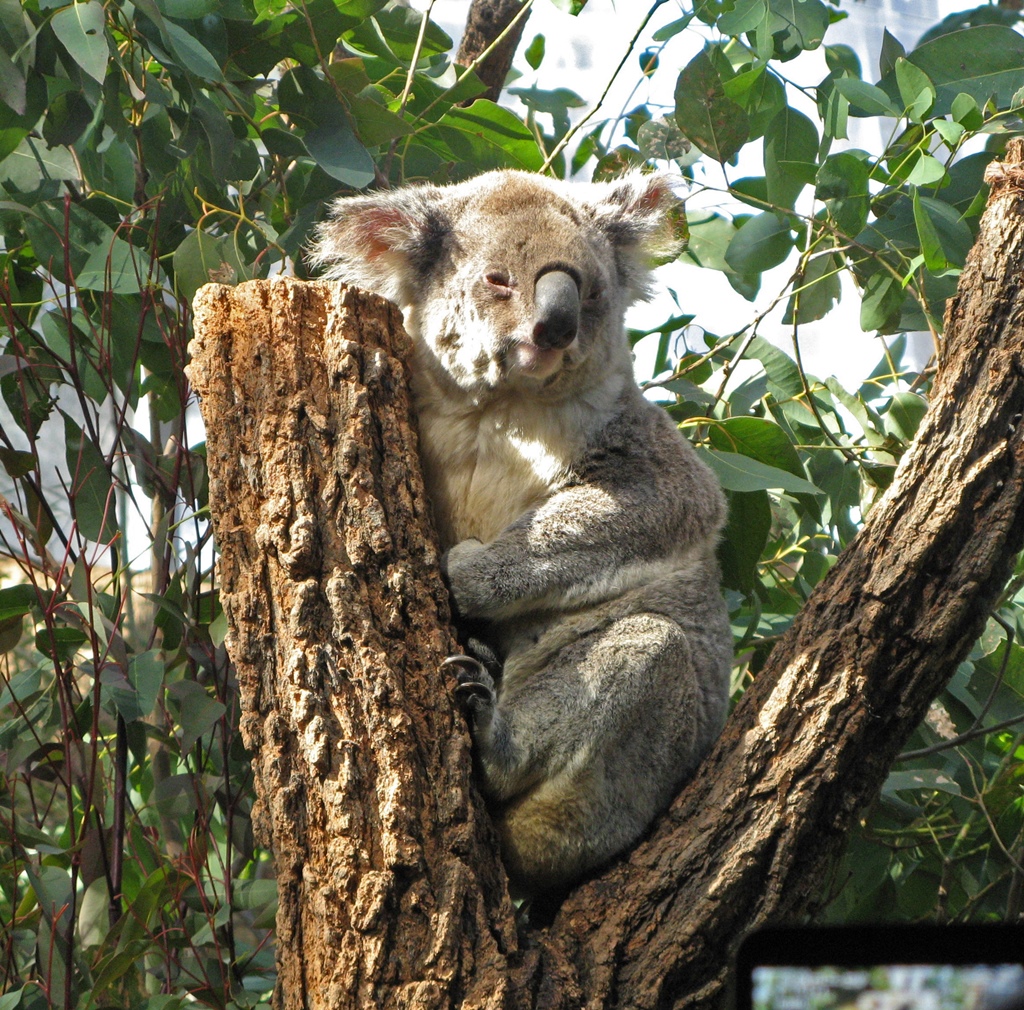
(510, 282)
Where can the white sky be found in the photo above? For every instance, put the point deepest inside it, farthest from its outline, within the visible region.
(581, 54)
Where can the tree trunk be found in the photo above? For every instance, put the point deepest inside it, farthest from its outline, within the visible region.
(486, 20)
(338, 623)
(390, 890)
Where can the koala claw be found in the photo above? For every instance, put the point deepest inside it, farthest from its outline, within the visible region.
(474, 687)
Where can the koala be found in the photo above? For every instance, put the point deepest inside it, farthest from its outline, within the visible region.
(579, 526)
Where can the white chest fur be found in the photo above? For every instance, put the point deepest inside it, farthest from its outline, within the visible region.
(485, 467)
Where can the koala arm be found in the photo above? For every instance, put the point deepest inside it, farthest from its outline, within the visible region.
(635, 509)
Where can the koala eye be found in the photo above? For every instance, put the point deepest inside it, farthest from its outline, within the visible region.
(594, 296)
(499, 283)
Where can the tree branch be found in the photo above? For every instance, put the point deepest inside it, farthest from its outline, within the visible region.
(811, 742)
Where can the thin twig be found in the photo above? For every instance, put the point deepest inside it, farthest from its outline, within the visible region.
(409, 78)
(573, 130)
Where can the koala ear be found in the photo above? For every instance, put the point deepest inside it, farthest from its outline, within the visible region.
(385, 242)
(640, 216)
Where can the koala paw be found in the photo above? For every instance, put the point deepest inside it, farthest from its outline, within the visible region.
(474, 688)
(460, 567)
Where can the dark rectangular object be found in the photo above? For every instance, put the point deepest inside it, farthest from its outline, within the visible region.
(964, 967)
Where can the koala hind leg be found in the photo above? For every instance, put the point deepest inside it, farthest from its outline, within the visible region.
(582, 753)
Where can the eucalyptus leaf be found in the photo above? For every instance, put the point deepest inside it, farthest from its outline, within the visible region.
(737, 472)
(790, 156)
(983, 62)
(842, 182)
(762, 242)
(880, 305)
(133, 691)
(81, 28)
(711, 120)
(916, 90)
(95, 506)
(819, 291)
(534, 52)
(336, 150)
(905, 413)
(797, 26)
(745, 16)
(192, 54)
(195, 712)
(750, 522)
(867, 99)
(892, 49)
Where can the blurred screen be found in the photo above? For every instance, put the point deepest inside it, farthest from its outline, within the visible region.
(889, 987)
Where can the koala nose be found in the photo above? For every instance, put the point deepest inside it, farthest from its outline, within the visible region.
(556, 309)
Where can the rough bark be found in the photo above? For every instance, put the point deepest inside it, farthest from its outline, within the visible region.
(390, 891)
(486, 20)
(338, 622)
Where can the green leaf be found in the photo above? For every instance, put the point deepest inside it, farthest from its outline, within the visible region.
(783, 376)
(710, 236)
(715, 123)
(30, 162)
(119, 268)
(866, 99)
(67, 118)
(192, 54)
(134, 693)
(880, 304)
(790, 156)
(965, 111)
(375, 123)
(762, 242)
(745, 16)
(931, 245)
(21, 687)
(833, 112)
(820, 291)
(673, 28)
(573, 7)
(950, 132)
(945, 239)
(16, 601)
(842, 182)
(744, 537)
(983, 62)
(336, 150)
(920, 778)
(664, 141)
(736, 472)
(892, 49)
(534, 52)
(194, 711)
(400, 27)
(757, 438)
(202, 258)
(842, 61)
(80, 29)
(925, 171)
(797, 25)
(904, 416)
(486, 136)
(15, 462)
(92, 496)
(916, 91)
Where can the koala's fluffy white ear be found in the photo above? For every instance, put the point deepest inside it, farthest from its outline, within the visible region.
(385, 242)
(639, 214)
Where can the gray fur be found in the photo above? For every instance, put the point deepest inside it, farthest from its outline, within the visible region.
(580, 526)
